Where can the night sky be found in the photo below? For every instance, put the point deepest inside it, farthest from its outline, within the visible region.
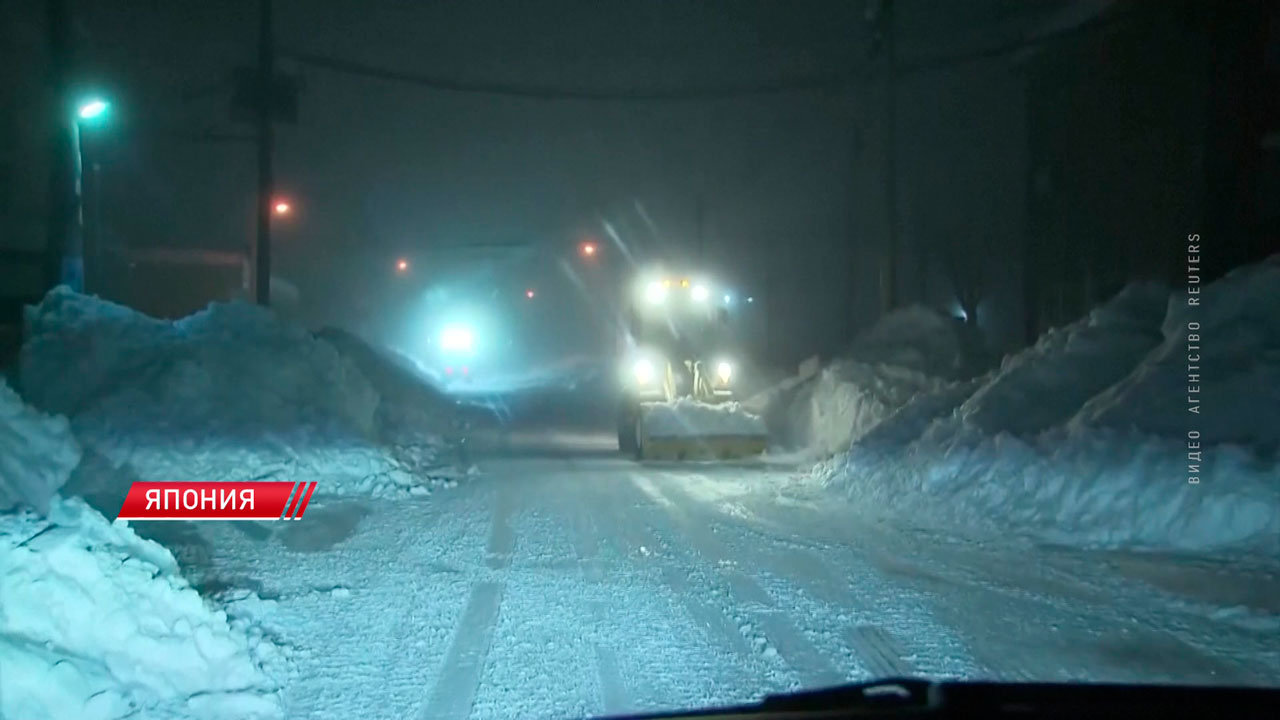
(378, 170)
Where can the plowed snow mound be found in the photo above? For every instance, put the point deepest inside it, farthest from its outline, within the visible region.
(37, 453)
(916, 338)
(1047, 383)
(231, 368)
(230, 393)
(95, 622)
(1237, 348)
(1083, 438)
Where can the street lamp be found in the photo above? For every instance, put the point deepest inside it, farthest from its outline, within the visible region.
(93, 108)
(89, 111)
(282, 207)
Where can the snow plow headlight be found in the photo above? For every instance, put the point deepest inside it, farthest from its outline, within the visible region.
(643, 371)
(700, 293)
(655, 292)
(724, 371)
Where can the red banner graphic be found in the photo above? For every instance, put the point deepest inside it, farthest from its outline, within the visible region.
(249, 500)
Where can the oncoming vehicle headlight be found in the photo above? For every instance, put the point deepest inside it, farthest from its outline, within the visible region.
(700, 293)
(457, 338)
(643, 371)
(655, 292)
(724, 371)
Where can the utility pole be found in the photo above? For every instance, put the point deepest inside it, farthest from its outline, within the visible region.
(265, 100)
(64, 262)
(700, 214)
(892, 251)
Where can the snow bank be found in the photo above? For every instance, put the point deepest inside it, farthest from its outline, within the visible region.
(1082, 438)
(917, 338)
(1239, 351)
(689, 418)
(231, 368)
(1049, 382)
(909, 353)
(37, 453)
(230, 393)
(96, 623)
(851, 398)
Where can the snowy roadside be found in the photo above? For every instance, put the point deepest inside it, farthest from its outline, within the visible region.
(1082, 438)
(96, 622)
(230, 393)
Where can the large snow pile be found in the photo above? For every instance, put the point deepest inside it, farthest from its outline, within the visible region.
(406, 389)
(96, 622)
(689, 418)
(1083, 438)
(850, 398)
(37, 453)
(917, 338)
(909, 353)
(1239, 380)
(228, 368)
(1046, 384)
(230, 393)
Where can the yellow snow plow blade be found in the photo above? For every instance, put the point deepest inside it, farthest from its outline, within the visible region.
(705, 447)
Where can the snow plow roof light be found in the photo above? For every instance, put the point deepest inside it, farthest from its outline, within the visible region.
(684, 283)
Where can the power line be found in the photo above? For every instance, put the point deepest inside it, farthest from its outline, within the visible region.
(804, 83)
(554, 92)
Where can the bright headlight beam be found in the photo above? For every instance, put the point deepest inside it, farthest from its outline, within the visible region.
(700, 293)
(655, 292)
(457, 338)
(643, 371)
(724, 371)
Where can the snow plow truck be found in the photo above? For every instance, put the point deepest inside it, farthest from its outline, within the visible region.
(680, 372)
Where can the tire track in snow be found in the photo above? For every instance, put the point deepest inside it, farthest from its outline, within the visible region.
(586, 545)
(502, 539)
(781, 634)
(740, 672)
(838, 597)
(455, 689)
(459, 681)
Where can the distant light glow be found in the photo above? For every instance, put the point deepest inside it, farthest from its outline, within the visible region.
(458, 338)
(728, 299)
(751, 299)
(92, 109)
(282, 208)
(402, 265)
(529, 294)
(656, 292)
(588, 249)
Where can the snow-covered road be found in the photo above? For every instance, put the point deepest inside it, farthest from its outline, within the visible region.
(567, 581)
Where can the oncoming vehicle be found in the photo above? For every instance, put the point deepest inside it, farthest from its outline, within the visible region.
(680, 374)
